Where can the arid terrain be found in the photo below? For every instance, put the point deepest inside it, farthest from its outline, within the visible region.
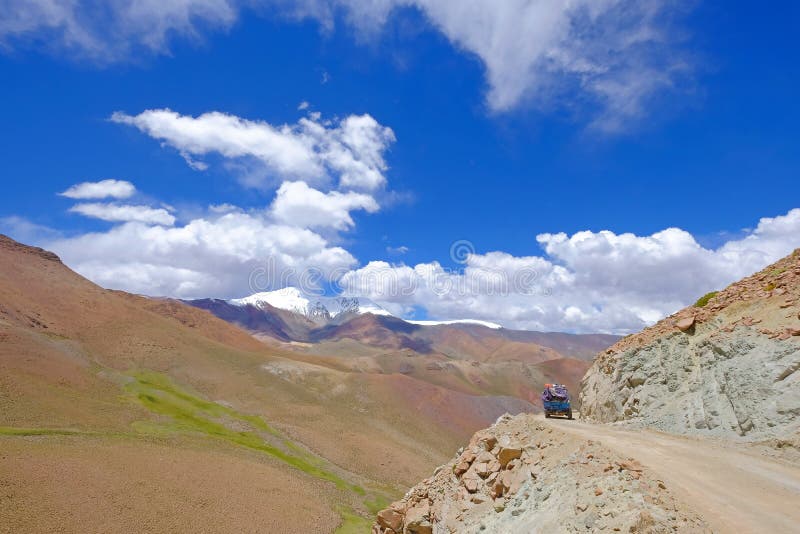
(572, 476)
(726, 367)
(465, 357)
(733, 488)
(399, 267)
(120, 412)
(688, 426)
(125, 413)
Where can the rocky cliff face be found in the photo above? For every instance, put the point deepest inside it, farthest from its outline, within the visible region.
(524, 475)
(728, 368)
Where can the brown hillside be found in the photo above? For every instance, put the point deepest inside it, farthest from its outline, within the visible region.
(777, 285)
(97, 385)
(726, 367)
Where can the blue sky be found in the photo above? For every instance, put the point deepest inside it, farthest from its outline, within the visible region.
(479, 149)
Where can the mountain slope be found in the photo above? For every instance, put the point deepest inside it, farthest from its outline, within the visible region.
(87, 399)
(727, 367)
(457, 339)
(264, 320)
(466, 357)
(118, 411)
(523, 474)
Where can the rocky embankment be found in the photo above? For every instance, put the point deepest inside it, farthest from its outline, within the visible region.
(524, 475)
(727, 367)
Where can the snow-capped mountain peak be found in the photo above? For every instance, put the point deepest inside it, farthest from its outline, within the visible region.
(313, 307)
(323, 309)
(288, 298)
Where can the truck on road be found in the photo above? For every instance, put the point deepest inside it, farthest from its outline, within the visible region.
(555, 401)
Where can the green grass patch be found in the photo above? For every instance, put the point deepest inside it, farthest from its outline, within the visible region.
(702, 301)
(376, 504)
(16, 431)
(191, 414)
(352, 523)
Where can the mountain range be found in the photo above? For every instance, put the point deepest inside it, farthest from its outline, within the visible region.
(290, 316)
(120, 413)
(357, 335)
(118, 410)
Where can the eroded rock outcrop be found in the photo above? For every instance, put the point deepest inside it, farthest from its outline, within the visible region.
(728, 368)
(523, 475)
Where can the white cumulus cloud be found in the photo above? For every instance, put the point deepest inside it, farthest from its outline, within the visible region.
(350, 150)
(233, 254)
(102, 189)
(124, 213)
(589, 281)
(229, 251)
(585, 282)
(297, 203)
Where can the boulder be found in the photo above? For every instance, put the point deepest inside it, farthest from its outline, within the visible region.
(489, 442)
(471, 481)
(468, 456)
(417, 518)
(485, 457)
(497, 489)
(461, 468)
(423, 527)
(507, 454)
(685, 324)
(389, 518)
(400, 507)
(494, 466)
(481, 469)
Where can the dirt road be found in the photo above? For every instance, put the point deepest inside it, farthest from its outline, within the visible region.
(734, 490)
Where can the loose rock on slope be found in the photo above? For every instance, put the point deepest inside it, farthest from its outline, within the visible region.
(727, 369)
(524, 475)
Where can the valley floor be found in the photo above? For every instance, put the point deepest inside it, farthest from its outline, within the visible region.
(733, 488)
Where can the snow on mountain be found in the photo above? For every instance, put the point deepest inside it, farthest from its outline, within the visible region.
(292, 299)
(288, 298)
(487, 324)
(367, 306)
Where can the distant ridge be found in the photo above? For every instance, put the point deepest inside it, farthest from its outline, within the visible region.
(289, 315)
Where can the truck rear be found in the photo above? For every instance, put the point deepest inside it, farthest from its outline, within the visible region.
(555, 401)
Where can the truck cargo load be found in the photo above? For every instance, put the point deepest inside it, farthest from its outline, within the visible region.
(555, 401)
